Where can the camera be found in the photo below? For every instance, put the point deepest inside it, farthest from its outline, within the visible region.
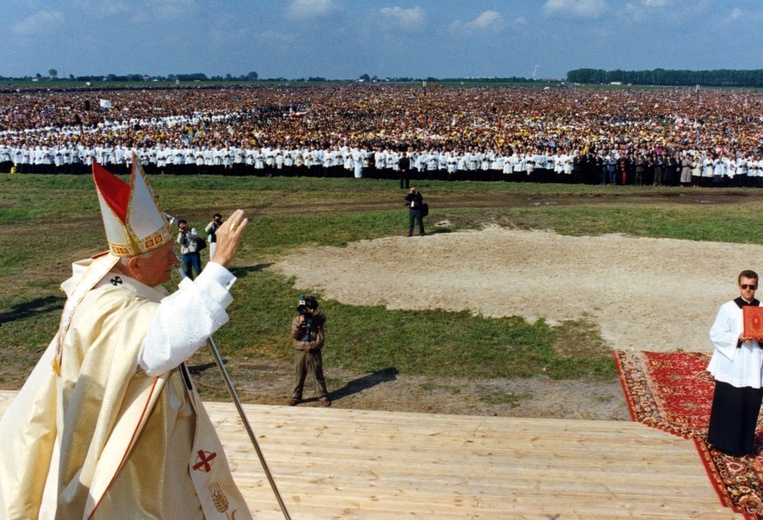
(302, 307)
(307, 304)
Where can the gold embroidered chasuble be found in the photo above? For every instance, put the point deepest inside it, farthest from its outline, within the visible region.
(104, 439)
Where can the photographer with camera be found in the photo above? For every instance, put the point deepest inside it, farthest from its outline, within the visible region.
(188, 239)
(211, 229)
(415, 202)
(307, 333)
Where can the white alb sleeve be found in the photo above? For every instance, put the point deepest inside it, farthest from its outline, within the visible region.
(186, 319)
(726, 329)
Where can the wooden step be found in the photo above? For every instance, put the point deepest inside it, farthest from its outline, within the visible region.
(338, 463)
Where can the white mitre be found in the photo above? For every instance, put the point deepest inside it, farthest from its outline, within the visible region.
(132, 216)
(134, 224)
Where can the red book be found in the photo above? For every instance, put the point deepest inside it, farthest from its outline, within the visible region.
(753, 321)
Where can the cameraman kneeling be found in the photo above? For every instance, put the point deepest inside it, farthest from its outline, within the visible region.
(308, 336)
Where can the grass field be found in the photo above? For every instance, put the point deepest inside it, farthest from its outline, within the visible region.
(46, 222)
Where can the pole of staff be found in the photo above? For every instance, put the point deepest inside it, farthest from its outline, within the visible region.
(247, 426)
(237, 402)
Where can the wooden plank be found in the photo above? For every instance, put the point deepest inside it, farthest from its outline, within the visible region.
(336, 463)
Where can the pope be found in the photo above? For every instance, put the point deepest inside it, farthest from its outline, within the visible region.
(109, 423)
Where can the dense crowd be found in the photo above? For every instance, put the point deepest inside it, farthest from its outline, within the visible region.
(565, 134)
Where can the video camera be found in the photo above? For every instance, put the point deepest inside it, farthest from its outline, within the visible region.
(307, 303)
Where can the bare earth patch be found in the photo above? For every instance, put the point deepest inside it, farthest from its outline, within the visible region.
(645, 294)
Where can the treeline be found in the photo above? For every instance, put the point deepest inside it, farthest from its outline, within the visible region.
(252, 76)
(663, 77)
(658, 77)
(134, 78)
(513, 79)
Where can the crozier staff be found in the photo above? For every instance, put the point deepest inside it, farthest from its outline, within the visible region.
(736, 366)
(109, 423)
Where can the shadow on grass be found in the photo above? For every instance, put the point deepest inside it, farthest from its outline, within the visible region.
(243, 272)
(355, 386)
(196, 370)
(32, 308)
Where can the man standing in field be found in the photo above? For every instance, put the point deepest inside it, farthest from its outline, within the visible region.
(211, 229)
(188, 239)
(415, 202)
(109, 423)
(308, 336)
(404, 165)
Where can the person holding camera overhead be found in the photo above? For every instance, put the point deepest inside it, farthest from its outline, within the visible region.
(189, 248)
(415, 202)
(307, 333)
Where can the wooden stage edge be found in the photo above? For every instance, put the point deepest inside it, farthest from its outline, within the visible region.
(338, 463)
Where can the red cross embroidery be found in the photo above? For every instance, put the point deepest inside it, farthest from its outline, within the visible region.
(203, 461)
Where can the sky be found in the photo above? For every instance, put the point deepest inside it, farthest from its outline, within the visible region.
(345, 39)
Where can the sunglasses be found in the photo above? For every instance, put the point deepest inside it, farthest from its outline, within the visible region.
(745, 286)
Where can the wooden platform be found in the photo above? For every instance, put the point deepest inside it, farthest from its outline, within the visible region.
(336, 463)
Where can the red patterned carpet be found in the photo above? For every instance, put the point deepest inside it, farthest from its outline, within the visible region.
(673, 392)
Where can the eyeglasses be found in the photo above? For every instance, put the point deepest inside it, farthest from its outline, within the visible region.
(745, 286)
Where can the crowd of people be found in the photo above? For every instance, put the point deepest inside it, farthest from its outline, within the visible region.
(565, 134)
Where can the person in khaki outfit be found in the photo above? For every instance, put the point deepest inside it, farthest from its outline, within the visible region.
(307, 333)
